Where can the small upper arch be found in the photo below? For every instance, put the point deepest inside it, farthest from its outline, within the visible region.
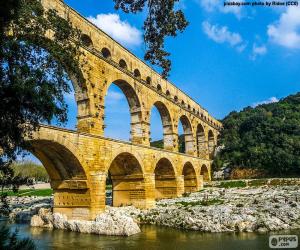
(86, 40)
(137, 74)
(106, 53)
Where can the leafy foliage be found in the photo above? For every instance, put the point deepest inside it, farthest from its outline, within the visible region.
(162, 20)
(266, 137)
(30, 170)
(33, 69)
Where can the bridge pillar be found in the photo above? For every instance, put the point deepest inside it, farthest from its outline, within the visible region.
(179, 185)
(149, 190)
(90, 125)
(97, 193)
(170, 141)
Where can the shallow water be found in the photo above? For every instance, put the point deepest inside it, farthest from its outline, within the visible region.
(151, 237)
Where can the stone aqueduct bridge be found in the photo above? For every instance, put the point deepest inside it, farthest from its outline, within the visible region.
(78, 162)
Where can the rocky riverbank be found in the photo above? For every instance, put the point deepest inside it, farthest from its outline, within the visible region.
(250, 209)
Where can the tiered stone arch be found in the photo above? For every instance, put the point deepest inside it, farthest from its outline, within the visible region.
(201, 141)
(135, 108)
(165, 179)
(205, 172)
(190, 178)
(188, 134)
(211, 143)
(128, 184)
(166, 119)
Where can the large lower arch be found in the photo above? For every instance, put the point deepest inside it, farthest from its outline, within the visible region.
(188, 134)
(167, 125)
(68, 178)
(205, 173)
(201, 142)
(165, 180)
(128, 184)
(190, 179)
(134, 109)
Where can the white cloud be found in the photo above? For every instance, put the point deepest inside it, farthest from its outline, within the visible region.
(258, 51)
(270, 100)
(285, 31)
(120, 30)
(114, 96)
(221, 34)
(218, 5)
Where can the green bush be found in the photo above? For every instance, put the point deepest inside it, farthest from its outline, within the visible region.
(232, 184)
(258, 182)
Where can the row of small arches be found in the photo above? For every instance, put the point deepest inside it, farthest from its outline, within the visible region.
(137, 74)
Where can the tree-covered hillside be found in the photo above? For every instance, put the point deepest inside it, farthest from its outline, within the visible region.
(160, 144)
(266, 137)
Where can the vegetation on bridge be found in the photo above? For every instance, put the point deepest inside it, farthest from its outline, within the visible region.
(266, 137)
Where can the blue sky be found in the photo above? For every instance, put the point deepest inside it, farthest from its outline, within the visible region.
(228, 57)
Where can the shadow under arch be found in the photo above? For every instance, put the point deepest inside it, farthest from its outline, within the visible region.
(190, 179)
(60, 163)
(128, 184)
(204, 172)
(168, 134)
(134, 109)
(68, 178)
(165, 180)
(188, 135)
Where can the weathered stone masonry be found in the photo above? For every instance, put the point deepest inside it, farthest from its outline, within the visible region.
(78, 162)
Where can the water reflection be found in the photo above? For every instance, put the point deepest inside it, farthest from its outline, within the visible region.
(151, 238)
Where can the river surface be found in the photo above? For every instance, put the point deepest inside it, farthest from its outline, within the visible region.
(151, 237)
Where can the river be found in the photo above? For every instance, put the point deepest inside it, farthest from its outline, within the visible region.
(151, 237)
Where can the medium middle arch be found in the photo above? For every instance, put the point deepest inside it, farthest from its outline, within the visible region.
(188, 134)
(134, 104)
(168, 133)
(190, 179)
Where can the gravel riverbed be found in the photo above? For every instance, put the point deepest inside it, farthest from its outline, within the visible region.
(251, 209)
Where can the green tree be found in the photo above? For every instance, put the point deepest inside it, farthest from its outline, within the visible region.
(33, 75)
(266, 137)
(163, 20)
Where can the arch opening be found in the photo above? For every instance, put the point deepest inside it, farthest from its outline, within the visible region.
(201, 142)
(137, 74)
(127, 109)
(127, 180)
(204, 172)
(123, 64)
(106, 53)
(211, 144)
(186, 145)
(165, 180)
(167, 127)
(148, 80)
(190, 179)
(67, 176)
(86, 40)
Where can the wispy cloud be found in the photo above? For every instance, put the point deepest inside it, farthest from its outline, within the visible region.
(218, 5)
(258, 51)
(270, 100)
(285, 31)
(221, 34)
(120, 30)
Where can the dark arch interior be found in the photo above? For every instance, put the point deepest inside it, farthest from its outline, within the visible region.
(137, 73)
(190, 180)
(123, 64)
(86, 40)
(165, 181)
(106, 53)
(204, 173)
(148, 80)
(59, 162)
(125, 172)
(158, 88)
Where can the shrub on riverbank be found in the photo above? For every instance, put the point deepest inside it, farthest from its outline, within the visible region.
(31, 170)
